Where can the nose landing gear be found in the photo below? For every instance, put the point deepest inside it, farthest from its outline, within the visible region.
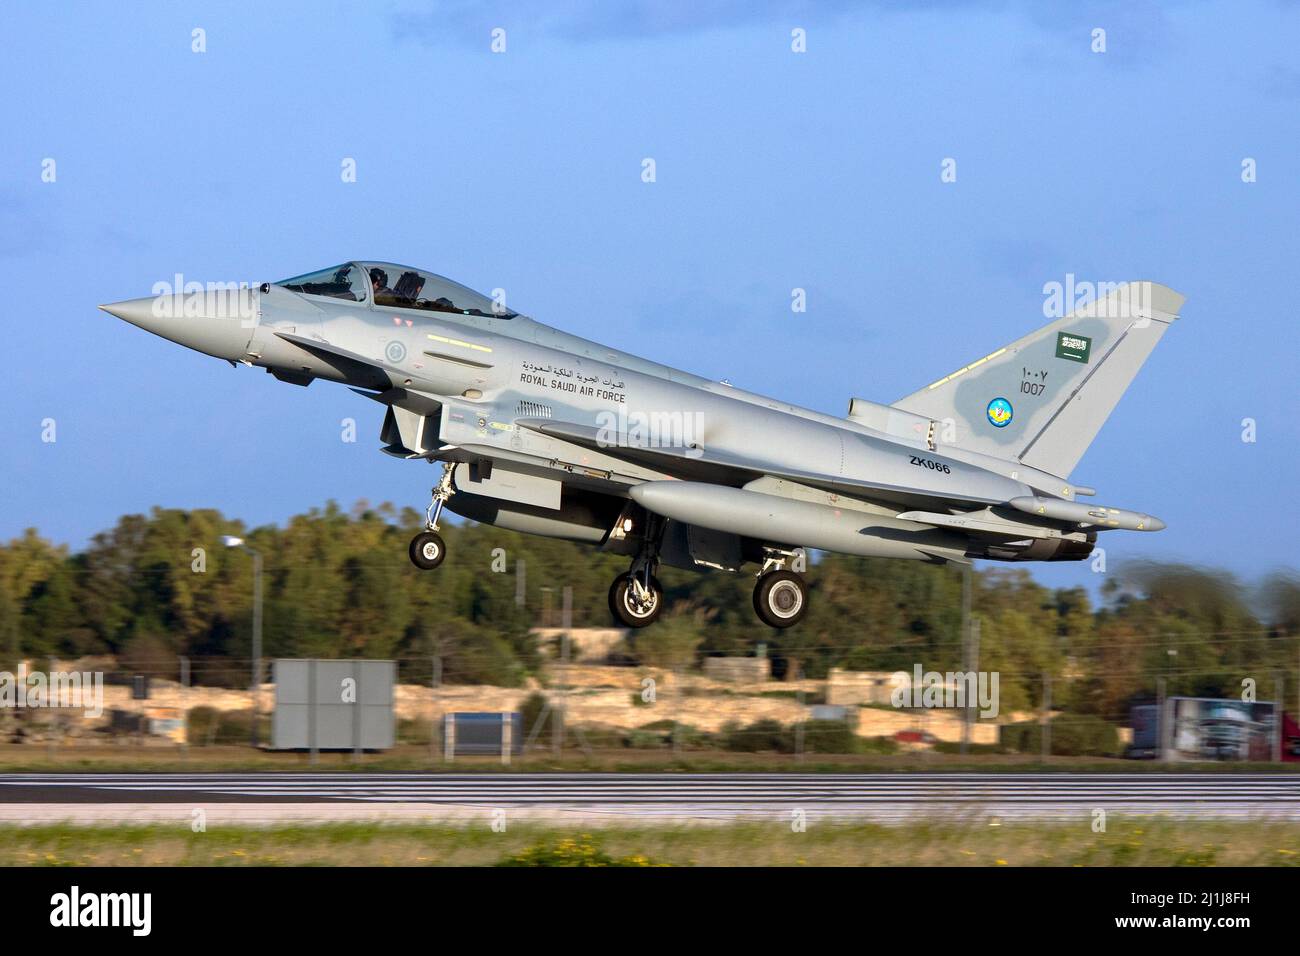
(636, 598)
(427, 548)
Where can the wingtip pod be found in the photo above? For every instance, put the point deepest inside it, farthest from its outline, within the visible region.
(1097, 516)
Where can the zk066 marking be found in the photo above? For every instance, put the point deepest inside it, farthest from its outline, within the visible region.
(932, 465)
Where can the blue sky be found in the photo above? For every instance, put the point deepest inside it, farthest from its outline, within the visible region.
(775, 170)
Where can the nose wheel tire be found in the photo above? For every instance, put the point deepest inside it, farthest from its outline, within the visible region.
(780, 598)
(630, 606)
(427, 550)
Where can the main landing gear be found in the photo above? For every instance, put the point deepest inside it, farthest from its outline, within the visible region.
(637, 598)
(780, 596)
(427, 548)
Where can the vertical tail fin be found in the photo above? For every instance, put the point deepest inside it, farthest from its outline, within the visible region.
(1043, 398)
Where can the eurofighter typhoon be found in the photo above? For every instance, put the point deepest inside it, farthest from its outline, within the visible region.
(547, 433)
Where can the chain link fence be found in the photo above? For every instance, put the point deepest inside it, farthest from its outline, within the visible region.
(698, 712)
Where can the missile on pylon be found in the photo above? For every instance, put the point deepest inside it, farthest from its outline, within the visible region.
(1080, 513)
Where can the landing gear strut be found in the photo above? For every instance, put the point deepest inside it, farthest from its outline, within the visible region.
(780, 596)
(427, 548)
(637, 598)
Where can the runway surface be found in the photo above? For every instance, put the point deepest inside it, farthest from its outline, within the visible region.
(613, 798)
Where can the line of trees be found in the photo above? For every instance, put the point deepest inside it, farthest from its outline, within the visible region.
(338, 584)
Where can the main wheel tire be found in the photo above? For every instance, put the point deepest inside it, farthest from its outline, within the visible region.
(627, 610)
(780, 599)
(427, 550)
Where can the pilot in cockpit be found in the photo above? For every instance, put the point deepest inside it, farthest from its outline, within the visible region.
(379, 282)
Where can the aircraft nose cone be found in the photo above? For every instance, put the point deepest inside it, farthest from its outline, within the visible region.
(139, 312)
(216, 323)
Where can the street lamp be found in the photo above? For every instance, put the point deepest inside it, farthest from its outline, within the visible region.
(230, 541)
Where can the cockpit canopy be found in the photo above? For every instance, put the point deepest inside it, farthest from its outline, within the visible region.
(340, 282)
(391, 286)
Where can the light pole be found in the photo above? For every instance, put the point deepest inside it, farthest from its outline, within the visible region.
(230, 541)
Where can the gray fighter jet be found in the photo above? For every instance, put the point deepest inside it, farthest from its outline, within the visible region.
(547, 433)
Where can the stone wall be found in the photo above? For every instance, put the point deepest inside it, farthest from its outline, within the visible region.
(858, 687)
(614, 697)
(589, 645)
(735, 670)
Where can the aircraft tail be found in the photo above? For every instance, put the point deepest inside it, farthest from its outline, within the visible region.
(1043, 398)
